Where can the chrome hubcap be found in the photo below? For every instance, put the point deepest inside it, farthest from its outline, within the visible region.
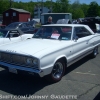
(57, 70)
(95, 51)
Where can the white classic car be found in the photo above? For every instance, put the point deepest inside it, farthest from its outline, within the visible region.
(53, 48)
(8, 36)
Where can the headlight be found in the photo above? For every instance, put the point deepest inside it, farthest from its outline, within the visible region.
(29, 61)
(35, 62)
(32, 61)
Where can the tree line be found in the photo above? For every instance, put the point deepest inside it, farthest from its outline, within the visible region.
(77, 9)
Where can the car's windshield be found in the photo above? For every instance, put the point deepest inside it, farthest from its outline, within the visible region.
(54, 32)
(3, 33)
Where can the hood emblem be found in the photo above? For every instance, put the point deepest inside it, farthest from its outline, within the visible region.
(10, 51)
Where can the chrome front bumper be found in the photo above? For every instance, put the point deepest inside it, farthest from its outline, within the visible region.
(39, 72)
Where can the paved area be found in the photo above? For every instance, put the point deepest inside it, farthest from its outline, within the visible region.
(82, 81)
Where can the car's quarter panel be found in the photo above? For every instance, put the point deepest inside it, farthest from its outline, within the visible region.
(95, 40)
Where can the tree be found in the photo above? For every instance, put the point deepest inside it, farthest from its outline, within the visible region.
(61, 6)
(84, 7)
(76, 4)
(93, 10)
(76, 10)
(77, 13)
(4, 5)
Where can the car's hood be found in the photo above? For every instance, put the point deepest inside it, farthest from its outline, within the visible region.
(35, 46)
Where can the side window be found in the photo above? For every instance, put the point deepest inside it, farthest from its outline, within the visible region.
(20, 26)
(7, 14)
(81, 32)
(66, 33)
(24, 25)
(14, 13)
(13, 35)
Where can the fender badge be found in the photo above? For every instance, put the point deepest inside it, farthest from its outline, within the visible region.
(10, 51)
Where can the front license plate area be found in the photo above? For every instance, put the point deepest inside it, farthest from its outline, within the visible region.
(13, 70)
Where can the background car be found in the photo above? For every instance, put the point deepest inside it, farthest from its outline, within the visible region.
(91, 22)
(7, 36)
(23, 26)
(63, 21)
(33, 23)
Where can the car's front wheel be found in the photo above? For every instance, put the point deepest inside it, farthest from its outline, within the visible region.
(57, 71)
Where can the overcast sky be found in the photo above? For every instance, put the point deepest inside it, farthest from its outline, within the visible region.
(81, 1)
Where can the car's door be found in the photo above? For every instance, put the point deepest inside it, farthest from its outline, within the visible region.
(82, 46)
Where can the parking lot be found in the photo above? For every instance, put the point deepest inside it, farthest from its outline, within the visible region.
(82, 80)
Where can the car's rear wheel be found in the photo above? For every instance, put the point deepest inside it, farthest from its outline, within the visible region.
(95, 52)
(57, 71)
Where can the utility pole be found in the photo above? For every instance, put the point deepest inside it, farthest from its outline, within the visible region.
(51, 6)
(42, 6)
(11, 3)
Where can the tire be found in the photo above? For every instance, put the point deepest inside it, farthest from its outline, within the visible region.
(57, 72)
(95, 52)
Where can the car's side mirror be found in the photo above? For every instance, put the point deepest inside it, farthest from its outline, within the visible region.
(8, 36)
(76, 38)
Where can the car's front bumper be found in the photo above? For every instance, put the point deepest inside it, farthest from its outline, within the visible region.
(20, 68)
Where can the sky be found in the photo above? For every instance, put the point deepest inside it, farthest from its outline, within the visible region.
(71, 1)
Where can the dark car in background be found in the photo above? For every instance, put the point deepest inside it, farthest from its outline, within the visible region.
(33, 23)
(63, 21)
(23, 26)
(13, 35)
(91, 22)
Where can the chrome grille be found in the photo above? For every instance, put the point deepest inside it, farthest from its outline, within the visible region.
(18, 59)
(15, 60)
(5, 57)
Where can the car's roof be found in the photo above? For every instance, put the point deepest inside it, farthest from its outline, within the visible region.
(18, 22)
(11, 30)
(64, 25)
(4, 29)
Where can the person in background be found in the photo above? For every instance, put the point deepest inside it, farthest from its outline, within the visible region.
(49, 20)
(78, 21)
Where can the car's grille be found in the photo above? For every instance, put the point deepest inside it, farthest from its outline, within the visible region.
(18, 59)
(15, 60)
